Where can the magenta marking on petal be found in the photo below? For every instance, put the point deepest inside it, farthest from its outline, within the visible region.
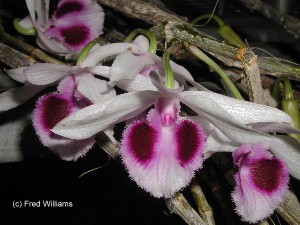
(54, 109)
(189, 140)
(141, 141)
(266, 174)
(75, 35)
(68, 7)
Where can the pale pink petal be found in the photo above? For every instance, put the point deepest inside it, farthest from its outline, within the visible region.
(42, 11)
(218, 142)
(50, 109)
(139, 83)
(17, 96)
(105, 51)
(17, 74)
(274, 127)
(97, 117)
(99, 70)
(223, 120)
(94, 89)
(128, 66)
(45, 73)
(161, 158)
(261, 182)
(30, 6)
(142, 42)
(67, 87)
(51, 45)
(26, 23)
(157, 82)
(287, 149)
(245, 112)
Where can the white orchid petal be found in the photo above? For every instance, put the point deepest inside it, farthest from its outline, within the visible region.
(287, 149)
(127, 66)
(95, 118)
(108, 50)
(243, 111)
(215, 114)
(50, 45)
(218, 142)
(142, 42)
(26, 23)
(94, 89)
(45, 73)
(99, 70)
(41, 8)
(157, 82)
(30, 6)
(274, 127)
(15, 97)
(17, 74)
(139, 83)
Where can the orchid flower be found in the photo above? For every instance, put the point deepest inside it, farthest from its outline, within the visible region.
(74, 93)
(73, 24)
(262, 182)
(249, 196)
(170, 158)
(52, 108)
(130, 70)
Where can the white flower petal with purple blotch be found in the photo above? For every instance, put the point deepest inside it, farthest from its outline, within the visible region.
(163, 152)
(262, 181)
(51, 109)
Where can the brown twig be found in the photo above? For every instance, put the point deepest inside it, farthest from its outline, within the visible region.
(145, 11)
(204, 208)
(14, 58)
(180, 206)
(33, 52)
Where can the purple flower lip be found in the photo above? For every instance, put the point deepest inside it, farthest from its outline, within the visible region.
(262, 181)
(160, 153)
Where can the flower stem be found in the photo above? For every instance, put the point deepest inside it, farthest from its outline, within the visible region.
(148, 34)
(21, 30)
(287, 87)
(288, 103)
(84, 52)
(169, 75)
(224, 30)
(201, 55)
(207, 16)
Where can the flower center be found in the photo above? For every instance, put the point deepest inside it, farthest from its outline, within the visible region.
(266, 174)
(167, 120)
